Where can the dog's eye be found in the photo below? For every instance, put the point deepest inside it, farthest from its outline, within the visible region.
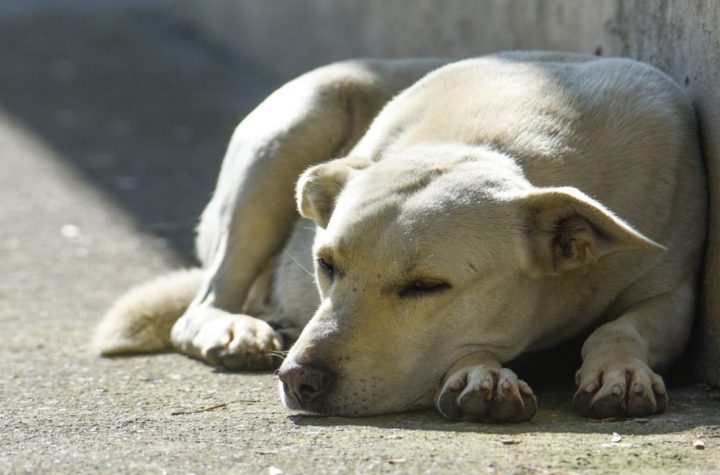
(327, 268)
(420, 288)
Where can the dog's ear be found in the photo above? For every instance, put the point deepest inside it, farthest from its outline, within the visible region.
(319, 186)
(567, 229)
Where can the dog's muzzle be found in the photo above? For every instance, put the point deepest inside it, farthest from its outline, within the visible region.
(304, 384)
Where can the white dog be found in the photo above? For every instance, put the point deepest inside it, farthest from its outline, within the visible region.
(480, 210)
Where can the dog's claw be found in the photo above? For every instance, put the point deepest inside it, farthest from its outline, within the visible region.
(483, 394)
(633, 390)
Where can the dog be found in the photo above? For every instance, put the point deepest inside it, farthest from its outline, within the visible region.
(453, 215)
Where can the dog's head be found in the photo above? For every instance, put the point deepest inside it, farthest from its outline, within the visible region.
(424, 259)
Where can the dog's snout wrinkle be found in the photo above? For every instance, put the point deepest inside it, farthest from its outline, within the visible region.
(304, 383)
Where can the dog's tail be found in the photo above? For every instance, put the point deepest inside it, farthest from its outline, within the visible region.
(140, 321)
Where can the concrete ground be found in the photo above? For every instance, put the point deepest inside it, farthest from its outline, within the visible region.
(113, 120)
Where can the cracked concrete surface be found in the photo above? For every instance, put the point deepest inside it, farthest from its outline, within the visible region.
(113, 120)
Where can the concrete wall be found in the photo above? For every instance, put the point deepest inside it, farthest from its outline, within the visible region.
(681, 37)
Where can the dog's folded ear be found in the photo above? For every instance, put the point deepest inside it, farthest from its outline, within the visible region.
(567, 229)
(318, 187)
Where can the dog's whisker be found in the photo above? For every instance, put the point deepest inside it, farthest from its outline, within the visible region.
(311, 274)
(279, 354)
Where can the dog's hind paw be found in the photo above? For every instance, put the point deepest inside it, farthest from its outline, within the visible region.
(482, 394)
(624, 390)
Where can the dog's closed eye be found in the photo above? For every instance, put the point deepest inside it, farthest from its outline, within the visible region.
(423, 287)
(326, 267)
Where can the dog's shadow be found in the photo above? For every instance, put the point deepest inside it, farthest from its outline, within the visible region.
(689, 407)
(551, 375)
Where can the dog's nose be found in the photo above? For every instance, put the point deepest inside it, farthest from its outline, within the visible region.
(304, 383)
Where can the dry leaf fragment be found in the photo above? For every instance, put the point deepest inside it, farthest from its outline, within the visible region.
(616, 437)
(396, 461)
(699, 444)
(509, 442)
(216, 406)
(273, 470)
(603, 421)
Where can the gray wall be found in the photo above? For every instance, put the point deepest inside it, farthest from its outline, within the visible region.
(681, 37)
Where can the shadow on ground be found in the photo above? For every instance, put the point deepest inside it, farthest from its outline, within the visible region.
(131, 101)
(555, 415)
(687, 410)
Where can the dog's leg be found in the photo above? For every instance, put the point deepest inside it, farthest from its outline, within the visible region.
(478, 388)
(617, 377)
(311, 119)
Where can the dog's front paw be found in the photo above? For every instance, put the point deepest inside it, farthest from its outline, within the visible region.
(479, 393)
(230, 341)
(619, 390)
